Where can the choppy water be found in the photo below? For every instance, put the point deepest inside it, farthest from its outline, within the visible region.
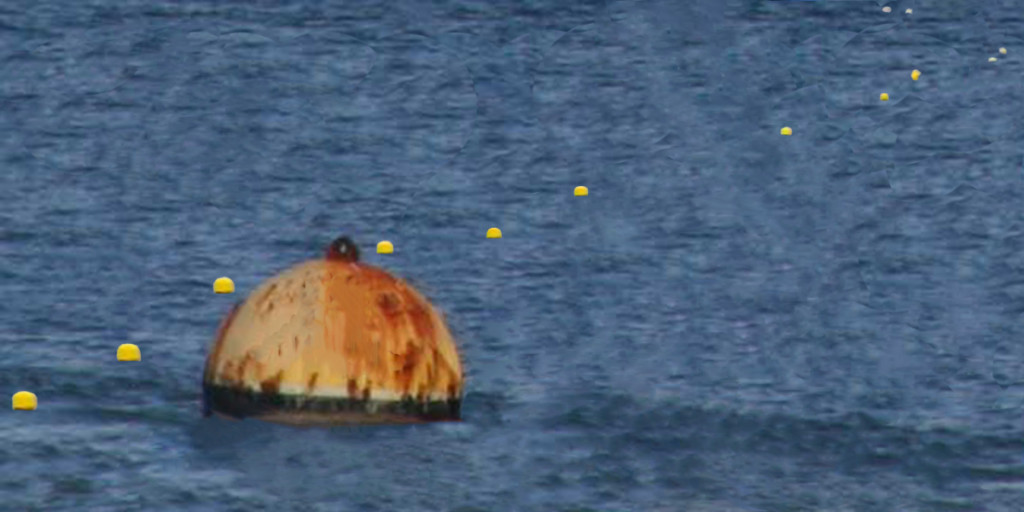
(732, 320)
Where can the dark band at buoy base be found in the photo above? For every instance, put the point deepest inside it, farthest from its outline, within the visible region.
(239, 404)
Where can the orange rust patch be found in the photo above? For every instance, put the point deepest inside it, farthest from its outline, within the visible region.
(407, 363)
(389, 304)
(373, 276)
(353, 389)
(272, 385)
(419, 315)
(247, 360)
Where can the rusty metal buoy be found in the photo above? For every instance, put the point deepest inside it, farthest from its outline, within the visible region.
(334, 341)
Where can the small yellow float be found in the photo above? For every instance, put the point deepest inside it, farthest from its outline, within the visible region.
(24, 401)
(334, 341)
(129, 352)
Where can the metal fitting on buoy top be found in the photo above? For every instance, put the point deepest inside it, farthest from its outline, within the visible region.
(334, 341)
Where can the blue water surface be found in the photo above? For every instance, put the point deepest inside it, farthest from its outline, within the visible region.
(732, 320)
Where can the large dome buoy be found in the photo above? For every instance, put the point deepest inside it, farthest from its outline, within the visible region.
(334, 341)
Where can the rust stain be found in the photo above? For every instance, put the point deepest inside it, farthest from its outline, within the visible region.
(389, 304)
(218, 345)
(419, 315)
(240, 369)
(272, 385)
(312, 381)
(375, 277)
(265, 296)
(228, 368)
(249, 360)
(353, 389)
(407, 363)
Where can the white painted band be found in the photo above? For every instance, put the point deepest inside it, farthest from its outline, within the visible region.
(338, 393)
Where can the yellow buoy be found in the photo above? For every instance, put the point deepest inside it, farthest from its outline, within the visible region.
(992, 59)
(580, 191)
(915, 75)
(910, 11)
(1002, 51)
(128, 352)
(887, 9)
(494, 233)
(884, 97)
(24, 401)
(385, 247)
(223, 285)
(787, 130)
(334, 341)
